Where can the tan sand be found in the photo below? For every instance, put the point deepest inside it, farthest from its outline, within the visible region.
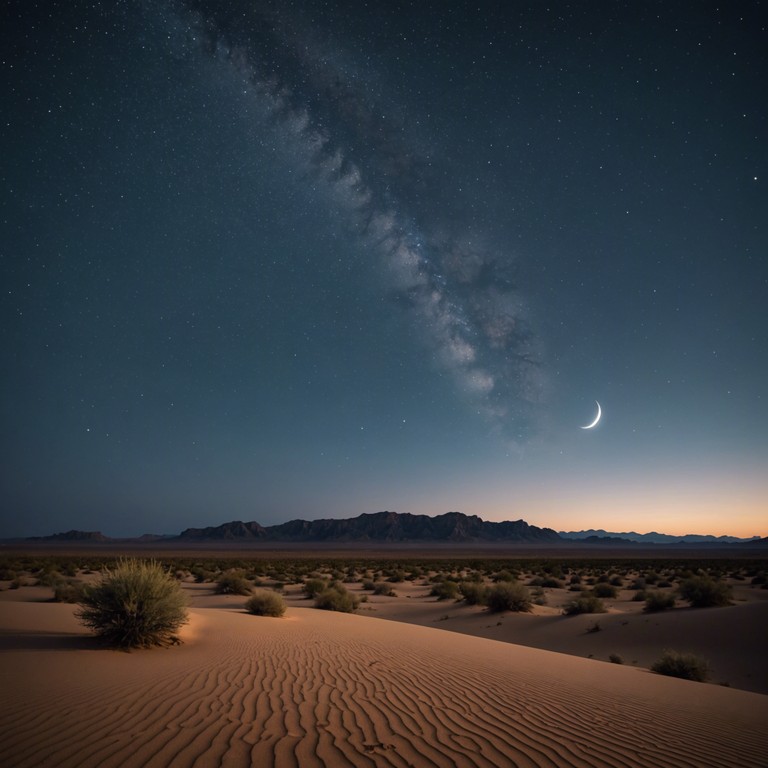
(326, 689)
(732, 639)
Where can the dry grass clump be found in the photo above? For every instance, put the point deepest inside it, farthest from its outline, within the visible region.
(314, 586)
(138, 604)
(265, 602)
(683, 665)
(508, 596)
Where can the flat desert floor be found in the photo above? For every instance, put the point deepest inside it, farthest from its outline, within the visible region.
(388, 686)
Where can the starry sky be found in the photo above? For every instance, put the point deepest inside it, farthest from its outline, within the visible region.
(269, 260)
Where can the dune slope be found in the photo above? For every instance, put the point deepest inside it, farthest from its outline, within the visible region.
(324, 689)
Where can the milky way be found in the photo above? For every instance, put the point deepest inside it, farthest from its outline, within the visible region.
(461, 295)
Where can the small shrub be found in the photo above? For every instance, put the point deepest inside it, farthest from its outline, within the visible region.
(704, 592)
(68, 591)
(232, 584)
(473, 592)
(383, 588)
(639, 596)
(684, 665)
(445, 590)
(313, 587)
(614, 658)
(545, 581)
(336, 598)
(658, 601)
(136, 605)
(604, 589)
(586, 603)
(508, 596)
(504, 576)
(594, 627)
(265, 602)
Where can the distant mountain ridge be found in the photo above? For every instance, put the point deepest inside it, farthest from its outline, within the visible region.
(395, 527)
(379, 526)
(653, 537)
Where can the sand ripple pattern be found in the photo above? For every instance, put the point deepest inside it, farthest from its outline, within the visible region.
(328, 690)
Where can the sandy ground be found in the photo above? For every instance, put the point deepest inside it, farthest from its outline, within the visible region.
(327, 689)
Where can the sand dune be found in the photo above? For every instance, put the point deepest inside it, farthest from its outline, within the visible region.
(325, 689)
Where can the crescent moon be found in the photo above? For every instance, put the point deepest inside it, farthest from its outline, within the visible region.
(597, 418)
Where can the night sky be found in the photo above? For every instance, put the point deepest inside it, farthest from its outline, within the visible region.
(269, 260)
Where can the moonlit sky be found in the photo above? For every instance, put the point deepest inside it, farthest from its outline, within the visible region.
(269, 260)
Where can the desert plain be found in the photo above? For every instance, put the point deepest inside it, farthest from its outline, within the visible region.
(407, 680)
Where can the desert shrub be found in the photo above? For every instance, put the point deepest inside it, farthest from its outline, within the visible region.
(265, 602)
(232, 584)
(684, 665)
(369, 584)
(313, 587)
(575, 579)
(585, 603)
(136, 605)
(68, 591)
(336, 598)
(617, 581)
(508, 596)
(504, 576)
(603, 589)
(758, 579)
(383, 588)
(658, 601)
(638, 583)
(544, 581)
(473, 592)
(445, 590)
(639, 596)
(614, 658)
(703, 592)
(49, 578)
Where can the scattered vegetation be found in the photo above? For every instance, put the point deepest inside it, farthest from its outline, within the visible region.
(137, 604)
(68, 591)
(265, 602)
(684, 665)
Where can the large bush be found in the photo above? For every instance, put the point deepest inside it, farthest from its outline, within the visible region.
(684, 665)
(704, 591)
(136, 605)
(604, 589)
(265, 602)
(508, 596)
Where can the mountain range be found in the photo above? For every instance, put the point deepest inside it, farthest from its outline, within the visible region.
(653, 538)
(395, 527)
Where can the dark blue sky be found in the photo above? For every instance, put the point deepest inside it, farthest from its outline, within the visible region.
(277, 260)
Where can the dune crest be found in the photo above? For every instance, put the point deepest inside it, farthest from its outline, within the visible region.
(324, 689)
